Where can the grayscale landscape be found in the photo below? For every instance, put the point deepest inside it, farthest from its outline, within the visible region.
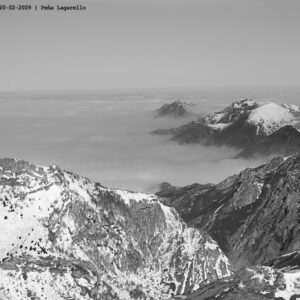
(150, 150)
(105, 135)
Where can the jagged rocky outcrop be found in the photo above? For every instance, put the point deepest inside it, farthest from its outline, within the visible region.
(280, 279)
(256, 128)
(176, 109)
(66, 237)
(286, 262)
(165, 186)
(255, 283)
(254, 216)
(183, 198)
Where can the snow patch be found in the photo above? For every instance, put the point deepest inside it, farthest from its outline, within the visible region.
(270, 117)
(292, 285)
(291, 107)
(127, 196)
(220, 126)
(211, 246)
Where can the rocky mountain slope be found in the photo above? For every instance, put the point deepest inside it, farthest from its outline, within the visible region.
(255, 283)
(176, 109)
(279, 280)
(286, 140)
(66, 237)
(254, 216)
(257, 128)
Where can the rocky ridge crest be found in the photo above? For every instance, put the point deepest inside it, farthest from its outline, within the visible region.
(256, 128)
(66, 237)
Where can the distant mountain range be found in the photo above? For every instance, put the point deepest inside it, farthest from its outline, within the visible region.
(256, 128)
(176, 109)
(66, 237)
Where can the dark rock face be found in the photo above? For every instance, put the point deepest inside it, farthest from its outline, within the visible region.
(239, 134)
(258, 129)
(14, 165)
(183, 198)
(253, 216)
(287, 262)
(176, 109)
(66, 237)
(284, 141)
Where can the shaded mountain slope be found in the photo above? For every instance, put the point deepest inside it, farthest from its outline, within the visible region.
(284, 141)
(254, 215)
(183, 198)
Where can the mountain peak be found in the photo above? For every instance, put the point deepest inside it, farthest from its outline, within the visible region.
(175, 109)
(267, 117)
(230, 114)
(18, 165)
(244, 104)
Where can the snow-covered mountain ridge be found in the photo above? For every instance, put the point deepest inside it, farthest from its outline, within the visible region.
(267, 117)
(66, 237)
(244, 124)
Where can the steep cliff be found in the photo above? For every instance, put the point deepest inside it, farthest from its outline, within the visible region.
(254, 216)
(66, 237)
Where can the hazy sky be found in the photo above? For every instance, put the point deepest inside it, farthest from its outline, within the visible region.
(151, 43)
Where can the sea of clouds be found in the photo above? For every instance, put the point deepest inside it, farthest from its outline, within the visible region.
(105, 136)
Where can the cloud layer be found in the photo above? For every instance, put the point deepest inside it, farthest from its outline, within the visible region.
(106, 138)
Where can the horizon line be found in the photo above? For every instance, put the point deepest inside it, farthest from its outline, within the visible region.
(111, 89)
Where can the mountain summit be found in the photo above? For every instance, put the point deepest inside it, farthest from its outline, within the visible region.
(176, 109)
(243, 124)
